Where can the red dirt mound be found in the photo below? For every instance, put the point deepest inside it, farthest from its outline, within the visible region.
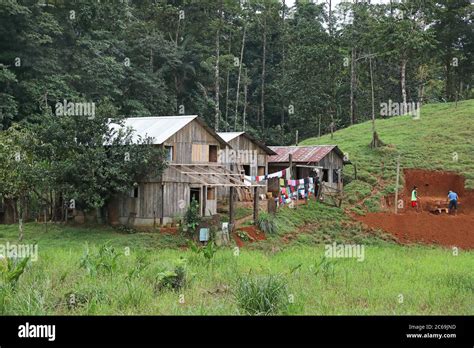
(433, 183)
(424, 227)
(252, 232)
(410, 227)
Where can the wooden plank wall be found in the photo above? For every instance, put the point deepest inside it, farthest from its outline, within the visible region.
(176, 186)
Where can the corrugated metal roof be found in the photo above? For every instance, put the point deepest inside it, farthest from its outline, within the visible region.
(302, 154)
(228, 136)
(160, 128)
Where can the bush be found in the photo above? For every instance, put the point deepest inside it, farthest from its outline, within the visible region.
(104, 261)
(10, 271)
(266, 223)
(261, 295)
(175, 279)
(192, 218)
(208, 251)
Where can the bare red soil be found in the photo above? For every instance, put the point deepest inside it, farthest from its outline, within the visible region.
(412, 227)
(425, 227)
(251, 231)
(169, 230)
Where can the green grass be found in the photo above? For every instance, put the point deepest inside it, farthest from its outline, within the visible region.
(427, 143)
(431, 280)
(315, 223)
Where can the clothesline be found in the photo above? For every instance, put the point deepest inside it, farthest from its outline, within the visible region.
(285, 173)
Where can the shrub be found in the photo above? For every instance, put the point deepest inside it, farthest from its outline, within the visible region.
(175, 279)
(325, 268)
(104, 261)
(261, 295)
(192, 217)
(208, 251)
(266, 223)
(11, 270)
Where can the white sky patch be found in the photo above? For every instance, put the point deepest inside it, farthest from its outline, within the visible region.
(290, 3)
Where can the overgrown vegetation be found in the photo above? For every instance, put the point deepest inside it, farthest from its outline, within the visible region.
(174, 279)
(148, 279)
(192, 218)
(257, 295)
(266, 223)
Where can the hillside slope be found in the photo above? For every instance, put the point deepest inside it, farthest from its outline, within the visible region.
(442, 139)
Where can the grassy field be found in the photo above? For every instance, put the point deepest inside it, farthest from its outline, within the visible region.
(101, 271)
(441, 139)
(126, 277)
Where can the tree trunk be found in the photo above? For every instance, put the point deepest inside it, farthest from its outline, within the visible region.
(264, 58)
(283, 57)
(242, 47)
(245, 101)
(332, 123)
(216, 76)
(227, 89)
(448, 79)
(20, 218)
(319, 126)
(403, 68)
(353, 86)
(372, 95)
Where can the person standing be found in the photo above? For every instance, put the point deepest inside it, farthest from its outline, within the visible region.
(414, 198)
(453, 202)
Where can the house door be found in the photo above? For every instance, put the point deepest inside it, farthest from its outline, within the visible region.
(195, 193)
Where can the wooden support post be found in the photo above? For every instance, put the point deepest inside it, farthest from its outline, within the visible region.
(162, 215)
(396, 186)
(255, 205)
(231, 209)
(290, 160)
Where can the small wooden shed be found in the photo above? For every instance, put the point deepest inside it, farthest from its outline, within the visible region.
(325, 160)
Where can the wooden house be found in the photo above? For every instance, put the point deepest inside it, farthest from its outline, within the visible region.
(248, 154)
(327, 161)
(193, 172)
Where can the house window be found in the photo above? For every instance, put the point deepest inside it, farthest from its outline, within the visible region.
(134, 192)
(246, 169)
(335, 176)
(169, 153)
(212, 153)
(211, 193)
(325, 175)
(261, 171)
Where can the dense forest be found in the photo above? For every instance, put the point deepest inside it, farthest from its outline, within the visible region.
(268, 67)
(256, 65)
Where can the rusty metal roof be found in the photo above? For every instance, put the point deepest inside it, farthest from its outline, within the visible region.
(302, 154)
